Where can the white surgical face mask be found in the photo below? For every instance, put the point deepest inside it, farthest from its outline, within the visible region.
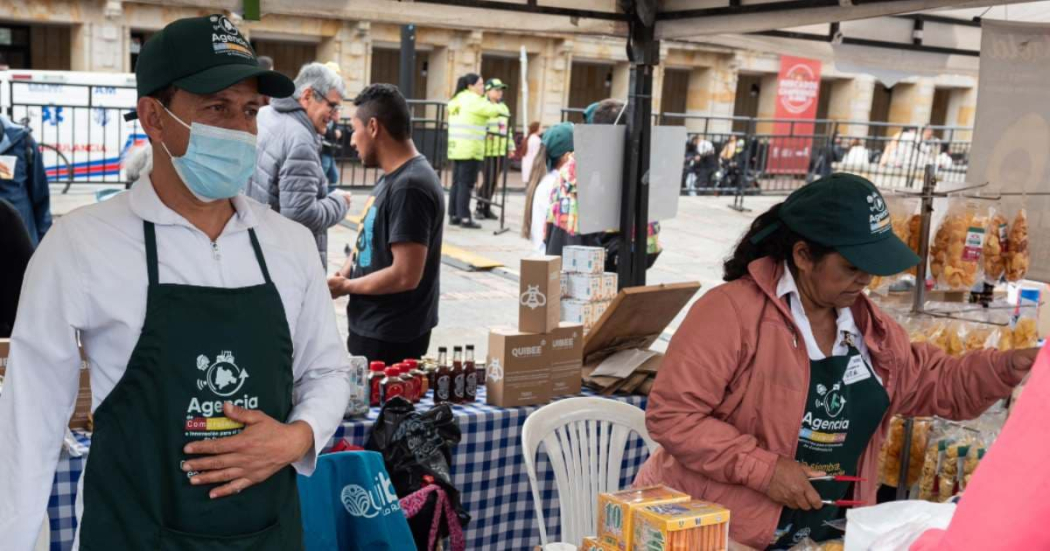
(218, 161)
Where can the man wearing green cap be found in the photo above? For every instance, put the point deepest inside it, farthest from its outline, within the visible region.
(788, 375)
(499, 141)
(217, 370)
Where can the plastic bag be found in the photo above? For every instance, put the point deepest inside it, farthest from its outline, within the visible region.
(1017, 255)
(996, 239)
(417, 449)
(894, 526)
(955, 254)
(890, 455)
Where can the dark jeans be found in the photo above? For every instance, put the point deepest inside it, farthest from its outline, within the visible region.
(489, 182)
(464, 176)
(386, 351)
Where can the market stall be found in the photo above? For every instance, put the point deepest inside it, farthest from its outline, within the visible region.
(488, 468)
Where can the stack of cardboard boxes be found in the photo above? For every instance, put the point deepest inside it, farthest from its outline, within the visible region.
(587, 289)
(543, 357)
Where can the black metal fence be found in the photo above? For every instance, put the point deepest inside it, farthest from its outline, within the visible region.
(730, 154)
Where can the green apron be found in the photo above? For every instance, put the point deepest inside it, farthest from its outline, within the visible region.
(845, 406)
(199, 347)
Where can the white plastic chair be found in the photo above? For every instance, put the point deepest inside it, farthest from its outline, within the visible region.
(585, 440)
(43, 541)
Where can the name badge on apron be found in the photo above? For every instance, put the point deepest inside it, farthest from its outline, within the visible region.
(856, 371)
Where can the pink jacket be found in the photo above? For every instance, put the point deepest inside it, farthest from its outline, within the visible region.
(1005, 505)
(732, 388)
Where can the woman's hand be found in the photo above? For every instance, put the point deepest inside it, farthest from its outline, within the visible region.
(790, 486)
(1022, 360)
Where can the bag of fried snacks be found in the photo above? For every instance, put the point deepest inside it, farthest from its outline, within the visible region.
(955, 253)
(996, 239)
(980, 336)
(890, 456)
(810, 545)
(1017, 248)
(942, 436)
(901, 210)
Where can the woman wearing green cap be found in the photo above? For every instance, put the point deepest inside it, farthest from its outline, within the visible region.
(787, 372)
(555, 152)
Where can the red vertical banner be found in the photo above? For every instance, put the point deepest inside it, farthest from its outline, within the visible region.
(798, 90)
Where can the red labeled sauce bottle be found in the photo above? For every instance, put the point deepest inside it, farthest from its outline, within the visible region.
(375, 379)
(392, 384)
(442, 379)
(421, 378)
(459, 379)
(470, 374)
(411, 384)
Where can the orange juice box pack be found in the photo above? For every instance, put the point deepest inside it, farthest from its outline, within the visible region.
(682, 526)
(616, 513)
(592, 544)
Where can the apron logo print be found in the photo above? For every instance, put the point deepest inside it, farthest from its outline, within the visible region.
(223, 377)
(832, 402)
(360, 502)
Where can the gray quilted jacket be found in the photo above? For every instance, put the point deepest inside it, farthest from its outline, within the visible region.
(288, 174)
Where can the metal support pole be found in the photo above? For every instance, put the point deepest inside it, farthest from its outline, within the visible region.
(902, 480)
(407, 72)
(929, 182)
(634, 204)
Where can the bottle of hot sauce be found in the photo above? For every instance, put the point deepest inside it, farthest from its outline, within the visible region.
(470, 373)
(392, 384)
(459, 380)
(375, 379)
(411, 384)
(421, 378)
(443, 378)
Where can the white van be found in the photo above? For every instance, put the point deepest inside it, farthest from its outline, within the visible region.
(77, 118)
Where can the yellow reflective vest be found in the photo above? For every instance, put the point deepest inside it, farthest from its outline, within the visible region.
(468, 116)
(499, 138)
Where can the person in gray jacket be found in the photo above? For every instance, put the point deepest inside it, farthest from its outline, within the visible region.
(288, 174)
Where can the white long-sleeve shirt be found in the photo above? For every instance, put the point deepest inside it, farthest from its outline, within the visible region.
(89, 275)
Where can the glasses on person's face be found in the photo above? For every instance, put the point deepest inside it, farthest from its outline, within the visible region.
(333, 106)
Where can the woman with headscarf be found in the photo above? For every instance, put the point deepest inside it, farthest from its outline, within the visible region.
(553, 153)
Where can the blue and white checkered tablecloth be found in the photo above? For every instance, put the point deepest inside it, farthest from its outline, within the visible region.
(488, 468)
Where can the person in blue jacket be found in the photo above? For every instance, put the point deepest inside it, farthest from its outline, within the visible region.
(23, 182)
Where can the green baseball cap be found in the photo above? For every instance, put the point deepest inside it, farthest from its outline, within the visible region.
(203, 55)
(847, 213)
(495, 83)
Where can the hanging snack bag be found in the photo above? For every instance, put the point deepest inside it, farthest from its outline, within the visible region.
(955, 254)
(996, 244)
(890, 457)
(1017, 250)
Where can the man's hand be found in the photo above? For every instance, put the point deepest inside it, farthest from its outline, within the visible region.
(338, 285)
(790, 486)
(263, 448)
(348, 197)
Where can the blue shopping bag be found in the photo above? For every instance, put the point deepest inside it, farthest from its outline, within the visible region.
(349, 504)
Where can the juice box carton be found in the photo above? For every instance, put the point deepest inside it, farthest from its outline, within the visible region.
(693, 525)
(616, 513)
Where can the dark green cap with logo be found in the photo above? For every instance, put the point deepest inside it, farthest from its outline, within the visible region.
(495, 83)
(847, 213)
(203, 55)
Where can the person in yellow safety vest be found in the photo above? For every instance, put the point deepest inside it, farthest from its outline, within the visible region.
(468, 115)
(499, 139)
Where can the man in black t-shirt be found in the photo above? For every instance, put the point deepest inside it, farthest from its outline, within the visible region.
(393, 275)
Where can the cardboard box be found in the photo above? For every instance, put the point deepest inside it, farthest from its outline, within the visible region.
(589, 287)
(539, 304)
(566, 359)
(698, 525)
(583, 260)
(578, 311)
(518, 368)
(592, 544)
(82, 406)
(635, 319)
(616, 512)
(610, 281)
